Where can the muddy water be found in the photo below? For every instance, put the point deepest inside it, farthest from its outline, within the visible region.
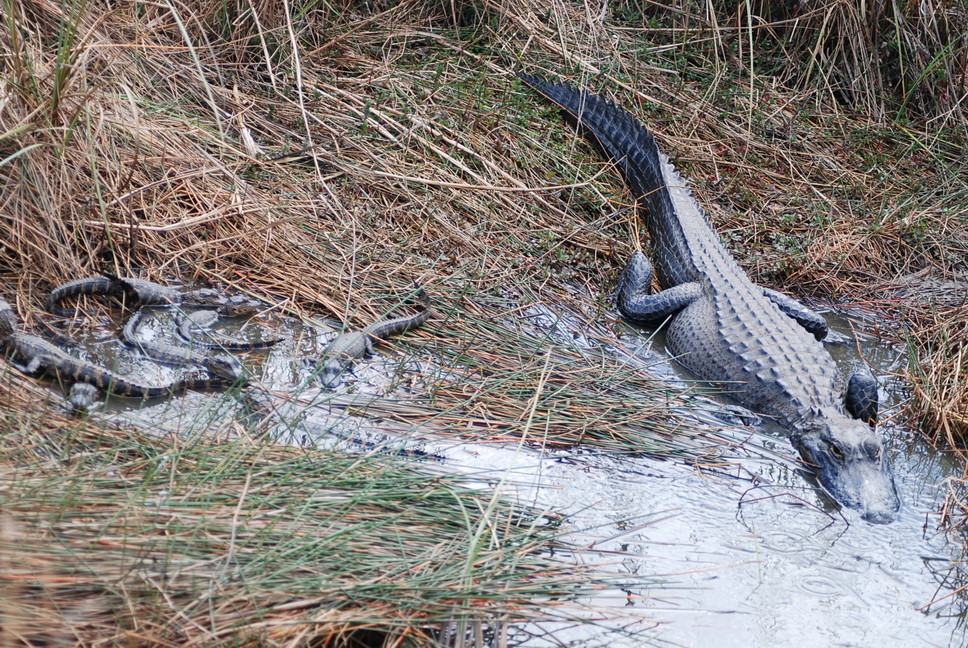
(750, 555)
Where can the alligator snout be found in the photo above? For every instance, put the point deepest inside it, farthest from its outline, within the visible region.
(865, 486)
(848, 459)
(878, 517)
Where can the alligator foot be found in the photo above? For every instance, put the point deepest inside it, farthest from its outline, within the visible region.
(811, 320)
(833, 337)
(861, 396)
(740, 416)
(636, 302)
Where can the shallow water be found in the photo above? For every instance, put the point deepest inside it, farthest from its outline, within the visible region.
(764, 564)
(752, 555)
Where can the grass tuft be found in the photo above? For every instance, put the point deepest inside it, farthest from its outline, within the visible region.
(111, 536)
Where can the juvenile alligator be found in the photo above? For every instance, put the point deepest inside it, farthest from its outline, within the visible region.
(756, 344)
(220, 365)
(190, 326)
(347, 347)
(38, 357)
(148, 293)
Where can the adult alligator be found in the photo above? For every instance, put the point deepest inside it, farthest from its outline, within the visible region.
(147, 293)
(347, 347)
(38, 357)
(762, 347)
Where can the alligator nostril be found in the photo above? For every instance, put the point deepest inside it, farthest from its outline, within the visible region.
(872, 448)
(878, 517)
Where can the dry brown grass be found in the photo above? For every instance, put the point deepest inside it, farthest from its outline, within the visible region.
(153, 139)
(143, 139)
(940, 377)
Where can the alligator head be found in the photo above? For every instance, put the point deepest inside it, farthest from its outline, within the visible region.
(239, 306)
(848, 458)
(225, 367)
(203, 297)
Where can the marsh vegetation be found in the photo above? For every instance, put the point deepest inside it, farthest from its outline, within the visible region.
(327, 156)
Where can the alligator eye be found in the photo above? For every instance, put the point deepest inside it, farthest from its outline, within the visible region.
(835, 450)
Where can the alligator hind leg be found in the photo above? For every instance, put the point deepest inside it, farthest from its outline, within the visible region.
(861, 396)
(811, 320)
(638, 305)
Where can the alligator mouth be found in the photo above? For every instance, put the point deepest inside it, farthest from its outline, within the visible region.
(859, 484)
(878, 517)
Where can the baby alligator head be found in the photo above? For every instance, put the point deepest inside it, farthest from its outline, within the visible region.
(225, 367)
(202, 297)
(239, 306)
(848, 457)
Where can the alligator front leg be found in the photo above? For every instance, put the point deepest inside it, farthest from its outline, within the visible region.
(861, 396)
(36, 367)
(636, 302)
(811, 320)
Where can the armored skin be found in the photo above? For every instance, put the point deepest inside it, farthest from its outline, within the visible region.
(38, 357)
(148, 293)
(347, 347)
(761, 347)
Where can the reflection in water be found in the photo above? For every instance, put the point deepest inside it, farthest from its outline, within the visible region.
(752, 556)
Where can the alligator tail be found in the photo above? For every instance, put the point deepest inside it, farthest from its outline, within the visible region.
(385, 328)
(632, 148)
(626, 141)
(78, 288)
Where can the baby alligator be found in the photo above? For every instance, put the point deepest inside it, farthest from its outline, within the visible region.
(191, 325)
(221, 365)
(37, 357)
(346, 348)
(147, 292)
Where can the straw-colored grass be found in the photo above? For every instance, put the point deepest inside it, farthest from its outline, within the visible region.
(329, 155)
(142, 138)
(940, 375)
(112, 537)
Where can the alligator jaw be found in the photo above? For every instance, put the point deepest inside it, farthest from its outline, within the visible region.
(847, 458)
